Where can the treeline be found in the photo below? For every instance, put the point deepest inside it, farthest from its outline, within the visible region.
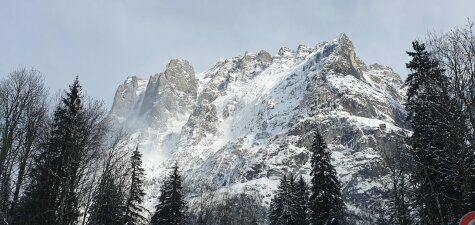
(295, 203)
(433, 181)
(66, 166)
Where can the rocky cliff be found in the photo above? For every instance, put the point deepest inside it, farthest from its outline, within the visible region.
(248, 120)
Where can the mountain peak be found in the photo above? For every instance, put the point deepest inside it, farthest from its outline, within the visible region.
(284, 51)
(126, 95)
(303, 50)
(345, 62)
(251, 117)
(178, 66)
(132, 79)
(264, 57)
(343, 38)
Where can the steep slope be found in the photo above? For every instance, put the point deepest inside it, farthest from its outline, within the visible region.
(252, 117)
(155, 110)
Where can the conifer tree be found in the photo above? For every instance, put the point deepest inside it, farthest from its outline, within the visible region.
(289, 206)
(38, 206)
(325, 200)
(51, 197)
(438, 140)
(108, 204)
(289, 213)
(301, 202)
(72, 149)
(171, 207)
(134, 208)
(277, 203)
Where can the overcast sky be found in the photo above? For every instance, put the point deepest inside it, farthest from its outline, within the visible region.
(103, 42)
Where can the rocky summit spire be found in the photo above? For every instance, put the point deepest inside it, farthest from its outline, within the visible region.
(344, 60)
(264, 57)
(344, 39)
(283, 51)
(158, 99)
(169, 93)
(127, 95)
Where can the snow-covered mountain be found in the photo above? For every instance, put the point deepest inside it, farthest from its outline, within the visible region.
(243, 123)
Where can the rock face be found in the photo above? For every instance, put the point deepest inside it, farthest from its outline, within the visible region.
(155, 110)
(165, 95)
(127, 96)
(170, 92)
(250, 119)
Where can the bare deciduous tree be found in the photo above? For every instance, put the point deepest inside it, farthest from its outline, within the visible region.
(456, 51)
(112, 157)
(400, 165)
(224, 208)
(23, 112)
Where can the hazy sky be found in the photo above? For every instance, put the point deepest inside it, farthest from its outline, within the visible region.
(103, 42)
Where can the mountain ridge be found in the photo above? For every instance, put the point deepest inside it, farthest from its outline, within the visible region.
(249, 118)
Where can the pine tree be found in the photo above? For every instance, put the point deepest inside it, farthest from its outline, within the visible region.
(108, 206)
(398, 208)
(171, 206)
(438, 140)
(301, 202)
(288, 213)
(72, 149)
(134, 208)
(277, 203)
(51, 197)
(38, 205)
(289, 206)
(325, 200)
